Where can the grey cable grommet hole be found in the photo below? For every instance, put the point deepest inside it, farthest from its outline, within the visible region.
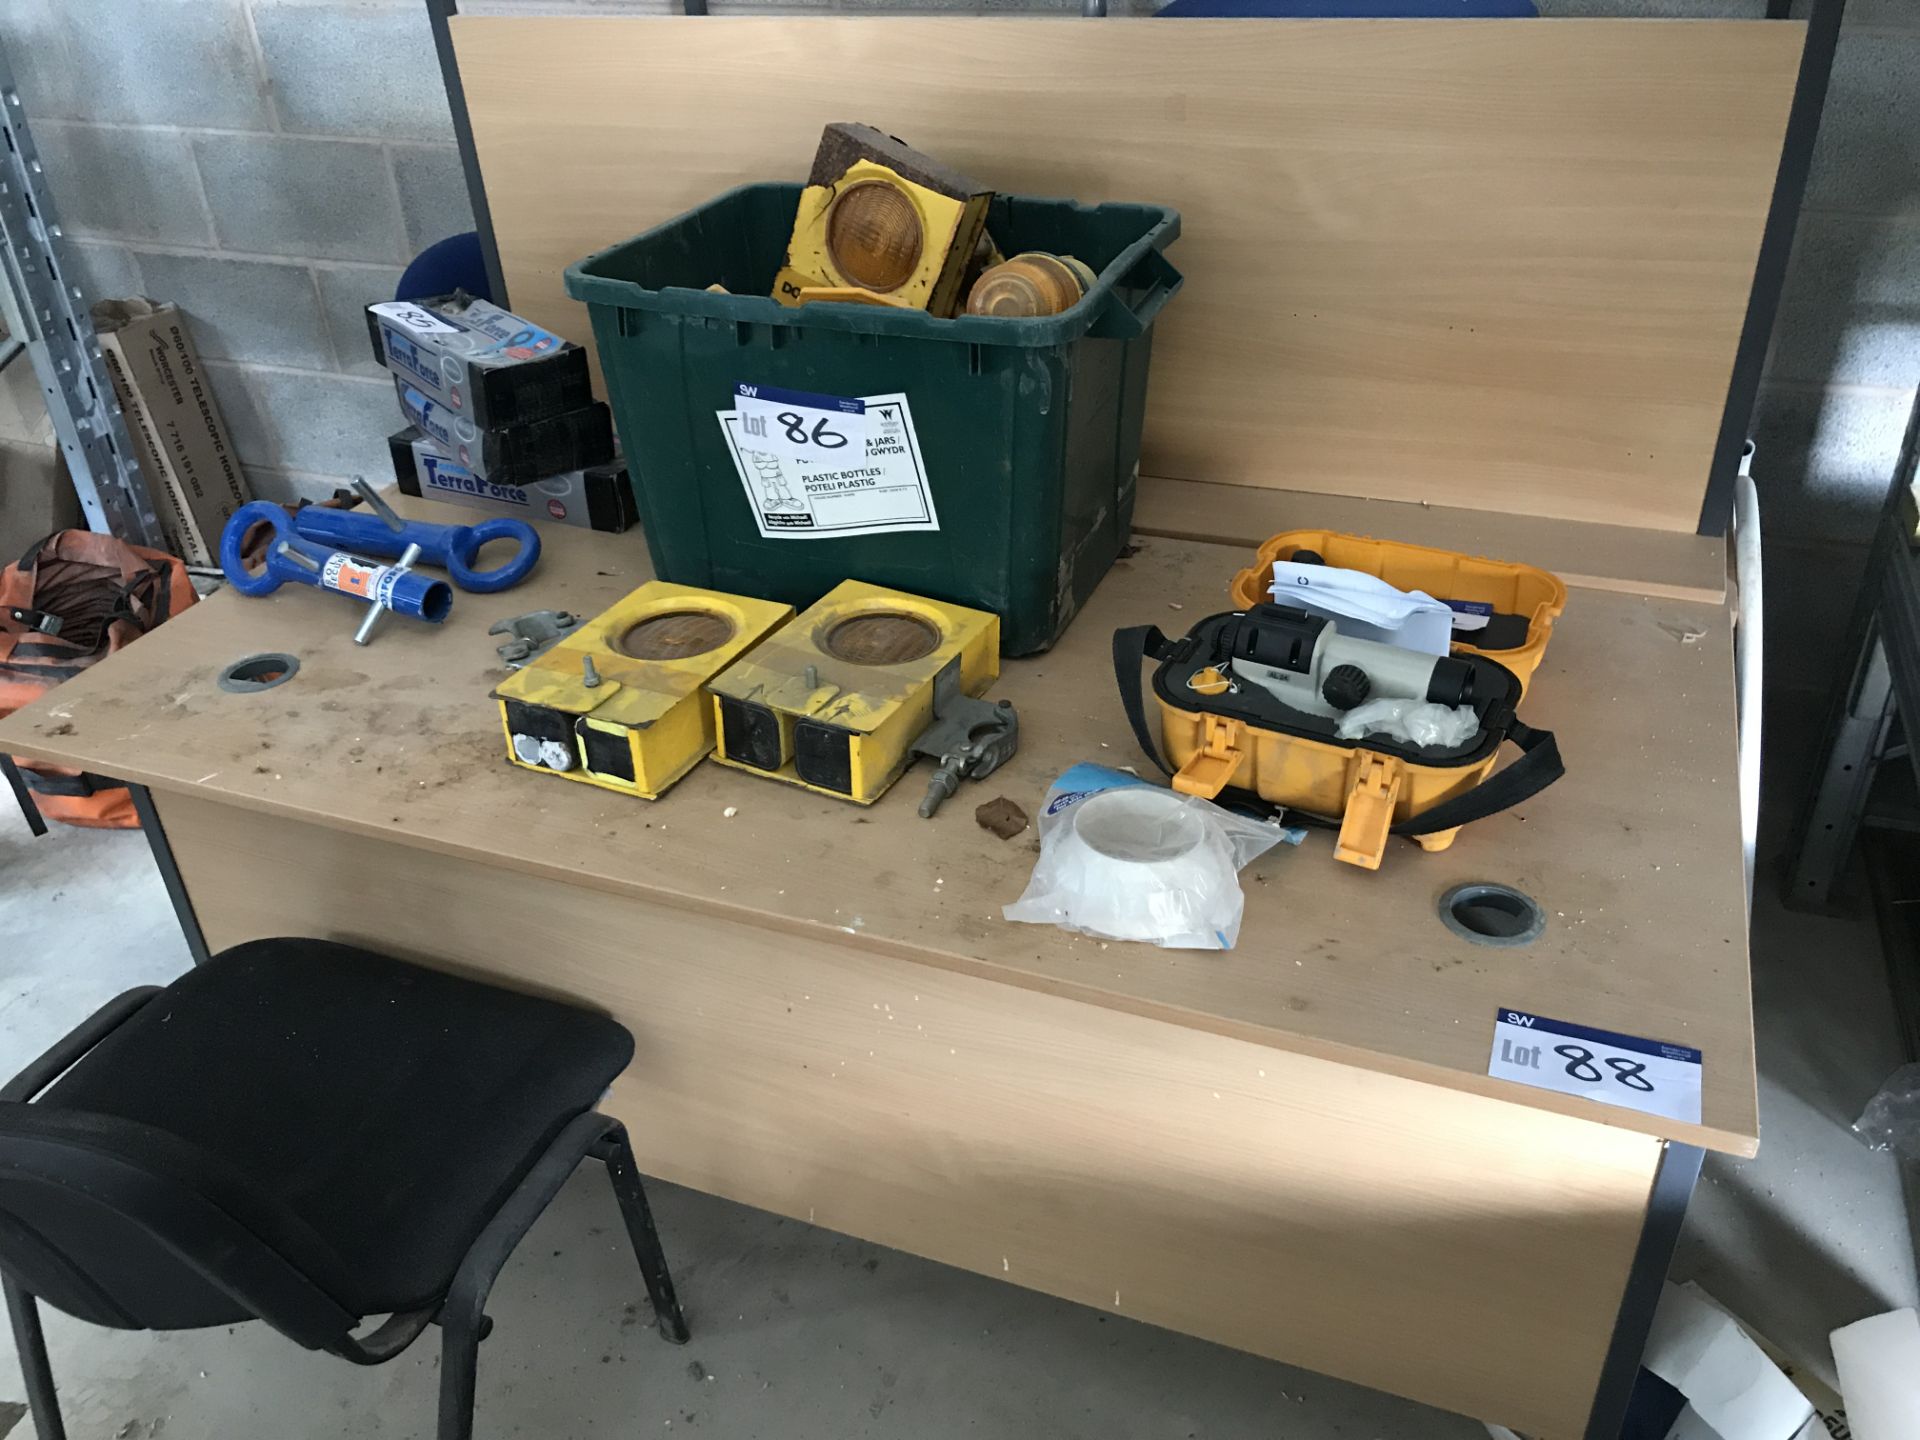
(258, 672)
(1492, 914)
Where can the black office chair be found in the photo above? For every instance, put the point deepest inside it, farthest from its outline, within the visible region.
(306, 1134)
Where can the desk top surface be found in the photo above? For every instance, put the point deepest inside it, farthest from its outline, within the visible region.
(1635, 855)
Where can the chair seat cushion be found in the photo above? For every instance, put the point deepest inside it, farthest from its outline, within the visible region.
(392, 1107)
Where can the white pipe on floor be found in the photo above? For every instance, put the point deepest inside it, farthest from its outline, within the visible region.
(1748, 650)
(1879, 1364)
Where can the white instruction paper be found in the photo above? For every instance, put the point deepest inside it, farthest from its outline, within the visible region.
(1625, 1070)
(815, 466)
(1365, 607)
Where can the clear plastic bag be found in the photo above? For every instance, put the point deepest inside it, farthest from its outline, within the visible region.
(1419, 722)
(1891, 1120)
(1125, 860)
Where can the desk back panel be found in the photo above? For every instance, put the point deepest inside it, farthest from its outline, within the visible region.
(1492, 264)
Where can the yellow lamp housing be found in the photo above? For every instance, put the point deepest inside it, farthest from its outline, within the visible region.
(835, 701)
(874, 230)
(618, 703)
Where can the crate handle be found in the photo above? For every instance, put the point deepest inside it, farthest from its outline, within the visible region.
(1123, 321)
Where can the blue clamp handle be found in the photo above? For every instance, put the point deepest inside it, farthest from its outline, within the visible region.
(453, 548)
(291, 558)
(279, 569)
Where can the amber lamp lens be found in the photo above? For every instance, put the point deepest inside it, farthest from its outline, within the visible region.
(1027, 285)
(874, 236)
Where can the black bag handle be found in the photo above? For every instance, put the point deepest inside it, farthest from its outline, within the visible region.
(74, 787)
(1539, 764)
(30, 562)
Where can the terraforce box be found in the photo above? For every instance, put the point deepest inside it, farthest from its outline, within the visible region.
(479, 361)
(597, 498)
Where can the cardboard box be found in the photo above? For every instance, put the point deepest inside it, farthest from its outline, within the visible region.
(596, 498)
(193, 476)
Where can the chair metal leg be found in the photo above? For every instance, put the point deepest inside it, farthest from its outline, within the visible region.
(614, 1149)
(463, 1318)
(42, 1401)
(460, 1332)
(23, 797)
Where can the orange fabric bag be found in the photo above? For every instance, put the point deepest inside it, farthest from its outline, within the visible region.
(71, 600)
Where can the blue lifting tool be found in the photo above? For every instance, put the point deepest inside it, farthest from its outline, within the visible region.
(453, 548)
(292, 558)
(321, 546)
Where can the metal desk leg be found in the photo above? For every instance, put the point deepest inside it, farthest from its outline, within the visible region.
(1673, 1186)
(23, 797)
(169, 873)
(1853, 752)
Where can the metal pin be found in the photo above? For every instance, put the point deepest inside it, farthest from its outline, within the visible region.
(377, 607)
(299, 557)
(377, 503)
(589, 676)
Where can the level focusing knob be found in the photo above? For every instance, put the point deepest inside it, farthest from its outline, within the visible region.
(1345, 687)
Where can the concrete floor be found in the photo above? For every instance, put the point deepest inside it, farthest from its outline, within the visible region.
(802, 1334)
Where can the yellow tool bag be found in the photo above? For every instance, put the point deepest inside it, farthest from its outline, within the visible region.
(1222, 732)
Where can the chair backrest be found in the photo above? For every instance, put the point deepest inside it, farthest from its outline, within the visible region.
(124, 1225)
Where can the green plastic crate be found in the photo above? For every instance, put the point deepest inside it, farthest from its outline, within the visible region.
(1029, 430)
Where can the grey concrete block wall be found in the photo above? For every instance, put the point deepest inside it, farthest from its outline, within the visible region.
(103, 267)
(352, 69)
(176, 62)
(269, 166)
(301, 195)
(244, 310)
(305, 422)
(345, 293)
(433, 194)
(138, 184)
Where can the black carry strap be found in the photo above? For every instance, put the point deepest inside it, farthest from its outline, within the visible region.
(1131, 648)
(1539, 764)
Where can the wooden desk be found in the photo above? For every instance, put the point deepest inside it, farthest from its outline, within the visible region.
(1292, 1148)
